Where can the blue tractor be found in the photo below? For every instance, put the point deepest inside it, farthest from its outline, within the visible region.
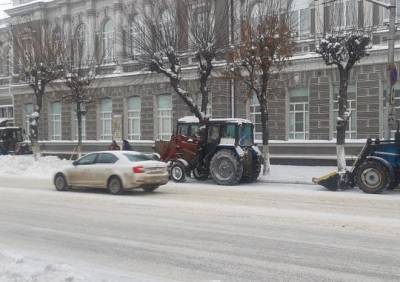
(376, 169)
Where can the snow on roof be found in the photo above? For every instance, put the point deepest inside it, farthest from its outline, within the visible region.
(189, 119)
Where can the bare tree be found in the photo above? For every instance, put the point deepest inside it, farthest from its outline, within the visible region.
(81, 69)
(159, 38)
(265, 47)
(202, 18)
(343, 47)
(37, 50)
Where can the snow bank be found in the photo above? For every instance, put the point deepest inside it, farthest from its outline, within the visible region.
(18, 268)
(43, 168)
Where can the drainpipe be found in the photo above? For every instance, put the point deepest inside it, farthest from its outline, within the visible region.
(231, 42)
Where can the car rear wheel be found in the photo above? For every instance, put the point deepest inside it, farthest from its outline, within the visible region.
(178, 173)
(60, 182)
(149, 189)
(372, 177)
(115, 185)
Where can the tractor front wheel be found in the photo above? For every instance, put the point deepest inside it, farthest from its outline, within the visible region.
(178, 172)
(226, 168)
(372, 177)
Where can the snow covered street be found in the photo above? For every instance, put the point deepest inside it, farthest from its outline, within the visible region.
(195, 232)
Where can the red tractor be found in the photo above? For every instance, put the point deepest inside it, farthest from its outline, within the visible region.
(221, 148)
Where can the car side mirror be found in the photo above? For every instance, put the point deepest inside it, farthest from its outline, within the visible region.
(75, 163)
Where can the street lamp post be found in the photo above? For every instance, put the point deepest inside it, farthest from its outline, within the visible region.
(390, 113)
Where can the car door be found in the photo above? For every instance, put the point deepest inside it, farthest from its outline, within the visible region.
(103, 169)
(79, 174)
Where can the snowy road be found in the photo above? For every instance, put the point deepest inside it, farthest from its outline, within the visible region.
(197, 232)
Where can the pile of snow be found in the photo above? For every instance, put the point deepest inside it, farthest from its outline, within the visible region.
(18, 268)
(25, 165)
(45, 167)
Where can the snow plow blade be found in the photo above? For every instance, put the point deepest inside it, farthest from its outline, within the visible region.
(329, 181)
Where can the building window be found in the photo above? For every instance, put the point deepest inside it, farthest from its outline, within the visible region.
(301, 21)
(7, 111)
(305, 22)
(255, 117)
(298, 114)
(108, 41)
(134, 112)
(164, 116)
(134, 33)
(80, 44)
(55, 120)
(106, 119)
(344, 14)
(83, 126)
(351, 130)
(28, 110)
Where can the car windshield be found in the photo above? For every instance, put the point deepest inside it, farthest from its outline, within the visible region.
(246, 135)
(138, 157)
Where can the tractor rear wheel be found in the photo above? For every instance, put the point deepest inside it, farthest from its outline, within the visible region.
(226, 168)
(372, 177)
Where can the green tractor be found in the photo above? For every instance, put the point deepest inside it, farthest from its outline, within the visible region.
(221, 148)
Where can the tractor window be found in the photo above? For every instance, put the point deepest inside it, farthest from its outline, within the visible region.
(246, 135)
(183, 130)
(213, 134)
(194, 130)
(229, 131)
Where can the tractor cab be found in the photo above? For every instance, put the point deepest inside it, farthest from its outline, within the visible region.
(11, 139)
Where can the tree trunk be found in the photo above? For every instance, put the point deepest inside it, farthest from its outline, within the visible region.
(34, 130)
(205, 71)
(79, 121)
(265, 139)
(342, 120)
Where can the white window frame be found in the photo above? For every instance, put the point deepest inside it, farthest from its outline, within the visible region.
(80, 35)
(299, 108)
(56, 123)
(340, 19)
(351, 132)
(108, 41)
(7, 111)
(134, 117)
(105, 121)
(164, 113)
(254, 111)
(27, 115)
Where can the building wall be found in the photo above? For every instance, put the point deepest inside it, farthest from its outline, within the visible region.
(308, 72)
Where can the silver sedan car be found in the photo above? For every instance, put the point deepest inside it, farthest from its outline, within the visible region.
(116, 171)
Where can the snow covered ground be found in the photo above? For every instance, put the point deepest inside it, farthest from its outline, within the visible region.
(45, 167)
